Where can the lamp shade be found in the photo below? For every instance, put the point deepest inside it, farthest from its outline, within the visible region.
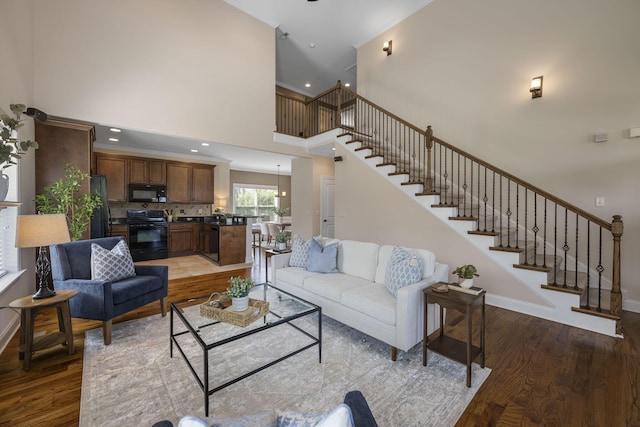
(41, 230)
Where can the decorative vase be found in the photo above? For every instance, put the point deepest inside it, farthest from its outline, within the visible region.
(466, 283)
(240, 304)
(282, 246)
(4, 186)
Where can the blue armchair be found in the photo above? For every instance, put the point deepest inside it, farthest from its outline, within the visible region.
(105, 300)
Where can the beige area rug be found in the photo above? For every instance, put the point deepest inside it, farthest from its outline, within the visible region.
(133, 381)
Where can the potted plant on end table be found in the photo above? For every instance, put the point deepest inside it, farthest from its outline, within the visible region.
(281, 240)
(238, 291)
(465, 274)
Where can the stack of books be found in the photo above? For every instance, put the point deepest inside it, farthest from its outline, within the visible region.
(474, 290)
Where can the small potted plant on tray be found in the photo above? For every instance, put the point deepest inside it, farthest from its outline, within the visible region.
(465, 274)
(239, 292)
(281, 240)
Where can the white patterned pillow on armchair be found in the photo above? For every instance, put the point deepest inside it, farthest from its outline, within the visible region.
(111, 265)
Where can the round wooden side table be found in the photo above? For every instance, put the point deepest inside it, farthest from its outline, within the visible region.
(29, 308)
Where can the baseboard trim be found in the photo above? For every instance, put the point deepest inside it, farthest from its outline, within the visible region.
(631, 305)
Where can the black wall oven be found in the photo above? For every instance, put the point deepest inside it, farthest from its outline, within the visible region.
(148, 233)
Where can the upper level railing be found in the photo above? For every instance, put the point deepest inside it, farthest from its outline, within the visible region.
(579, 250)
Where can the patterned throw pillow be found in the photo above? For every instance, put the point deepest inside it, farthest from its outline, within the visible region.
(299, 252)
(111, 265)
(403, 269)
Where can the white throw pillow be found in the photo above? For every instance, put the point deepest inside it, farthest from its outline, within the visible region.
(111, 265)
(403, 269)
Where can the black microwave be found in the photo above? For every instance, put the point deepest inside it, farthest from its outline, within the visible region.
(147, 193)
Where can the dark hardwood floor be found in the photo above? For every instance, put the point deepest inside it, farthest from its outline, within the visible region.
(543, 373)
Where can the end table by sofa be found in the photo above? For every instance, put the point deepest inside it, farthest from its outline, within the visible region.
(460, 351)
(29, 308)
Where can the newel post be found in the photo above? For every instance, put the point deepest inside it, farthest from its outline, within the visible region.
(428, 140)
(339, 118)
(617, 228)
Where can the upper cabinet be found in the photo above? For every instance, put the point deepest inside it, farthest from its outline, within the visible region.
(189, 183)
(186, 182)
(202, 179)
(147, 171)
(115, 168)
(179, 183)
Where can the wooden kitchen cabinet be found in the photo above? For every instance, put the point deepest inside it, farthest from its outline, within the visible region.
(147, 171)
(115, 168)
(182, 239)
(179, 183)
(202, 179)
(189, 183)
(232, 244)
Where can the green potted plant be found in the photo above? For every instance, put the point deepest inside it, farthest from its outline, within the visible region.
(62, 197)
(281, 239)
(280, 212)
(229, 217)
(465, 274)
(238, 291)
(11, 149)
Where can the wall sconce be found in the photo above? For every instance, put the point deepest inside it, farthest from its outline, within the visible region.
(536, 87)
(386, 47)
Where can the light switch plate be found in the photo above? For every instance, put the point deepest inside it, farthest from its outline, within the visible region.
(599, 202)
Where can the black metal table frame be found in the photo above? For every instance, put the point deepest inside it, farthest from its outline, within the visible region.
(204, 383)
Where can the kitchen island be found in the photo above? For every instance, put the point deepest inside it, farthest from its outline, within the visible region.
(224, 244)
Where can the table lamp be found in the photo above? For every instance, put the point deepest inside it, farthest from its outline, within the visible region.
(40, 231)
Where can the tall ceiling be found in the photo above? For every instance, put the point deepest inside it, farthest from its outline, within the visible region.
(316, 43)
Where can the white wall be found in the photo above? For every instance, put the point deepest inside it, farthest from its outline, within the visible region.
(464, 67)
(16, 87)
(190, 68)
(305, 190)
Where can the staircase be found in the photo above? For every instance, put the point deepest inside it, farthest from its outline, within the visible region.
(565, 255)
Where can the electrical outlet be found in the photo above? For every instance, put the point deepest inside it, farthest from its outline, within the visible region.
(181, 210)
(599, 201)
(200, 211)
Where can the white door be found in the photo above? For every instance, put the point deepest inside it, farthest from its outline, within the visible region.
(327, 215)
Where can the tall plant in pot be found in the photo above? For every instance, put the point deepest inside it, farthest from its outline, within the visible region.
(11, 148)
(63, 197)
(238, 290)
(465, 274)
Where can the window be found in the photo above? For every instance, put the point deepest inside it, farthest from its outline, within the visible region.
(252, 199)
(8, 250)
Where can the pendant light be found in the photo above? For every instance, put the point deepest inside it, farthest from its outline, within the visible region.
(278, 193)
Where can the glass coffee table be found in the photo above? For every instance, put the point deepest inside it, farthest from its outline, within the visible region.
(209, 347)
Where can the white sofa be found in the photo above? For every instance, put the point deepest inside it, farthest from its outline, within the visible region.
(357, 295)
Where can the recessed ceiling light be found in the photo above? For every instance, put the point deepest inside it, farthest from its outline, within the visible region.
(205, 144)
(347, 84)
(307, 85)
(115, 130)
(114, 139)
(312, 45)
(194, 150)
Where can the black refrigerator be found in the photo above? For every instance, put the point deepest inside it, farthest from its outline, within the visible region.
(100, 220)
